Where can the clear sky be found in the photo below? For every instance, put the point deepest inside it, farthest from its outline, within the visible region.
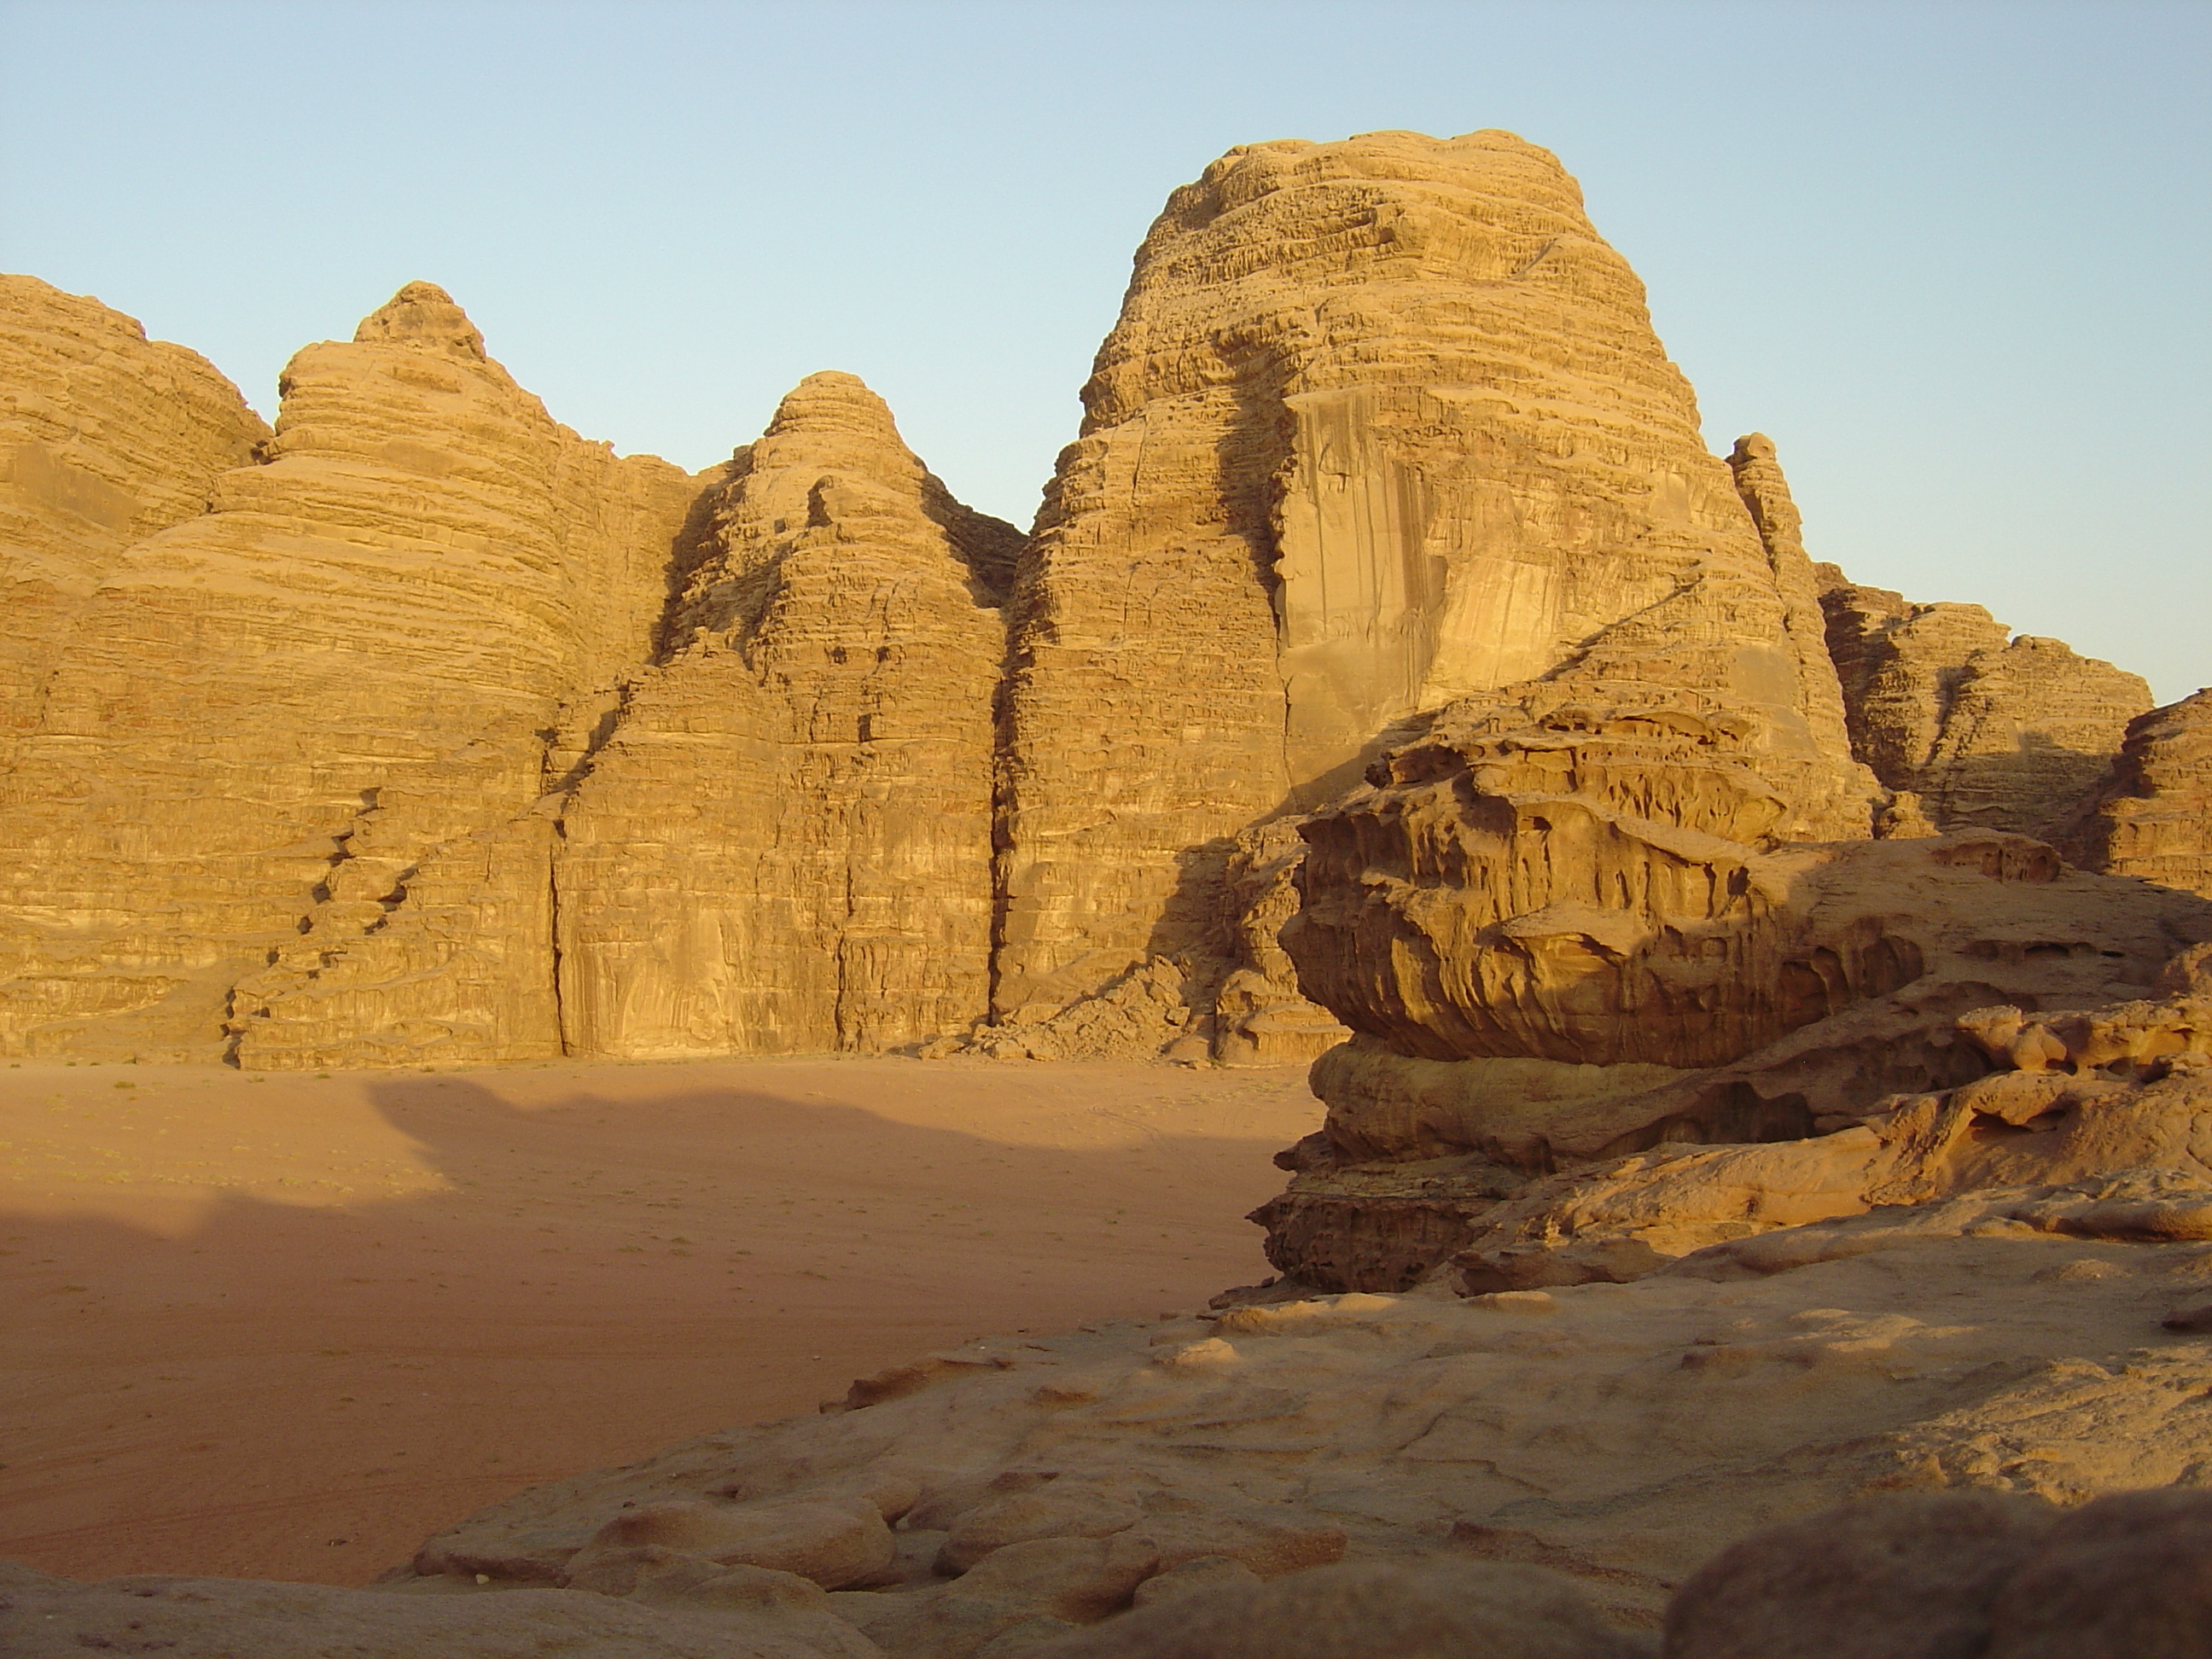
(1954, 257)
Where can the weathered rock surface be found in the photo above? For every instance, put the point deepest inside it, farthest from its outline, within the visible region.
(1541, 1169)
(106, 437)
(1984, 730)
(741, 1613)
(1383, 425)
(2006, 1342)
(297, 788)
(278, 723)
(2151, 815)
(785, 844)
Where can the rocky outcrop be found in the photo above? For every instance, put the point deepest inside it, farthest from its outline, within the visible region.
(106, 437)
(1383, 425)
(785, 844)
(1878, 1578)
(280, 798)
(2151, 815)
(1982, 730)
(1564, 943)
(1060, 1488)
(445, 734)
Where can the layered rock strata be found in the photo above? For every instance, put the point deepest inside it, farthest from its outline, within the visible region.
(2150, 816)
(338, 770)
(785, 844)
(106, 437)
(277, 802)
(1562, 944)
(1982, 729)
(1383, 424)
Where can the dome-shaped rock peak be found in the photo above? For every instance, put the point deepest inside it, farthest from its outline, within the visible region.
(422, 313)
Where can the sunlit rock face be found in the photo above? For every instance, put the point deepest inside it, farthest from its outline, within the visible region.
(106, 437)
(1984, 731)
(1383, 425)
(786, 843)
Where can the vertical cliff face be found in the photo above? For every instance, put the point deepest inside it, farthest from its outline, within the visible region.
(1987, 730)
(1383, 426)
(2151, 815)
(785, 843)
(106, 437)
(277, 799)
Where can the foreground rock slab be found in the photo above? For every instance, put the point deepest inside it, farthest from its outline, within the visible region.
(1621, 1434)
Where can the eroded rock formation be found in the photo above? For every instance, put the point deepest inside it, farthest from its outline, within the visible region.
(443, 734)
(1383, 424)
(106, 437)
(278, 721)
(1982, 729)
(1562, 943)
(785, 844)
(2151, 815)
(298, 785)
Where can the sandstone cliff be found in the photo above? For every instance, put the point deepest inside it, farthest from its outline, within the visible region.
(1383, 425)
(105, 439)
(443, 733)
(1984, 730)
(2151, 815)
(785, 844)
(279, 799)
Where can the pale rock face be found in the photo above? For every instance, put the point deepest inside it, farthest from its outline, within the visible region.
(1987, 732)
(280, 798)
(2151, 815)
(1383, 425)
(105, 439)
(786, 843)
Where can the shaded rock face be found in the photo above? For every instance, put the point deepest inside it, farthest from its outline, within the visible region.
(1383, 424)
(2151, 815)
(106, 437)
(785, 843)
(1986, 730)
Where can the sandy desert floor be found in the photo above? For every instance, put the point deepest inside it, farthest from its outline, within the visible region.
(285, 1327)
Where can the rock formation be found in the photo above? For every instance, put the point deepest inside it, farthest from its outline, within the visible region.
(2151, 815)
(424, 730)
(1599, 1457)
(785, 844)
(279, 798)
(105, 439)
(1562, 946)
(1984, 734)
(1383, 424)
(297, 787)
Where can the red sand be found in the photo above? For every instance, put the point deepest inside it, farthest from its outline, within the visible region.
(287, 1327)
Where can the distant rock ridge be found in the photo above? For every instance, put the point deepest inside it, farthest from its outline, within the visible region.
(1984, 730)
(422, 730)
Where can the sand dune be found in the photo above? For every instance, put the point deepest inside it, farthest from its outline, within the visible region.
(286, 1326)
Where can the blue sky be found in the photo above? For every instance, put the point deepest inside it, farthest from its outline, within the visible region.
(1952, 256)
